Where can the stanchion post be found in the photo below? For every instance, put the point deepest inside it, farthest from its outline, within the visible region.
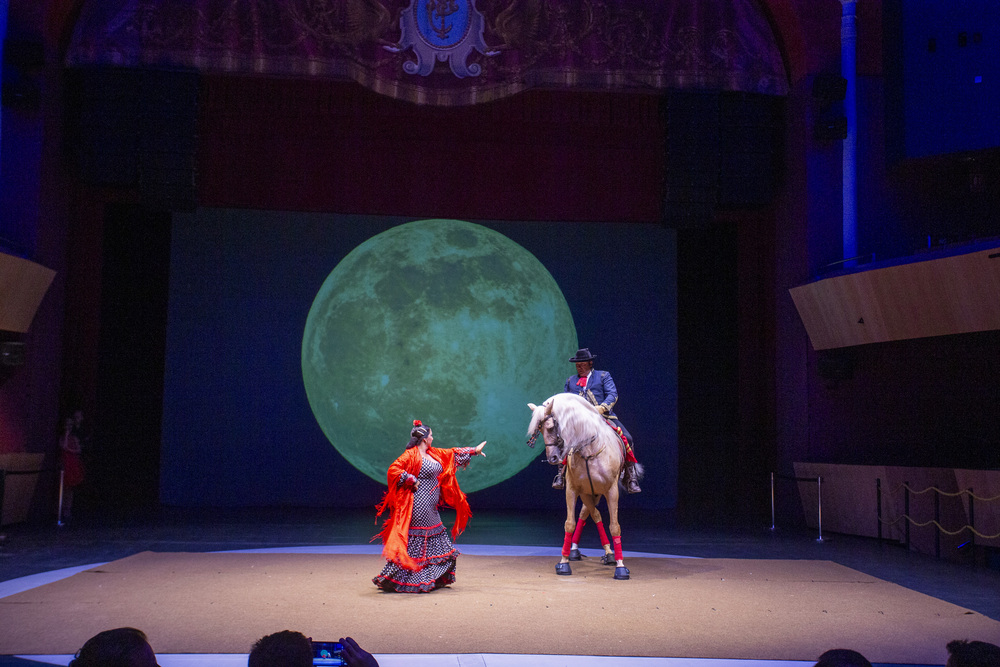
(819, 507)
(59, 521)
(772, 500)
(972, 524)
(937, 525)
(906, 511)
(878, 506)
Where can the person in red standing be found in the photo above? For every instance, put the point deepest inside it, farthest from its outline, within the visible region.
(70, 452)
(419, 554)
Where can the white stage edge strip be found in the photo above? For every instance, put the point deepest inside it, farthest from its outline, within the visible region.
(464, 660)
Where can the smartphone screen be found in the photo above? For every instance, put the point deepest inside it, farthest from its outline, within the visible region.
(327, 653)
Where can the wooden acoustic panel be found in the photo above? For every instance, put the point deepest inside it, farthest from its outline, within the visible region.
(935, 297)
(983, 486)
(20, 490)
(849, 497)
(22, 286)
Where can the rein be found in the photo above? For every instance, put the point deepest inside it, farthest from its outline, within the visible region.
(586, 461)
(558, 442)
(575, 449)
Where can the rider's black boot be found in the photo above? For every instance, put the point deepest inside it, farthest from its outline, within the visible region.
(560, 481)
(631, 479)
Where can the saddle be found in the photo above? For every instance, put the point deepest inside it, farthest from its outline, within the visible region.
(623, 442)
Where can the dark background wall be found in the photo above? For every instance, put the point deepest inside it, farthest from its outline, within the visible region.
(744, 360)
(238, 427)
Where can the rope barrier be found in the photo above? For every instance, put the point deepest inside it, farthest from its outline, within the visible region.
(949, 494)
(938, 494)
(944, 530)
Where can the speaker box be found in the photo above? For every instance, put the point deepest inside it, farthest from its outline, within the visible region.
(692, 158)
(722, 151)
(136, 128)
(12, 353)
(835, 364)
(829, 121)
(23, 61)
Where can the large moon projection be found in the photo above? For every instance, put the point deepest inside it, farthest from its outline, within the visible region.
(444, 321)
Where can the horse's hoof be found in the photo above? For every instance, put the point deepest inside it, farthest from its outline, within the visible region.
(575, 554)
(620, 572)
(608, 559)
(564, 568)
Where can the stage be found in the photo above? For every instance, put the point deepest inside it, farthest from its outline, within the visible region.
(210, 584)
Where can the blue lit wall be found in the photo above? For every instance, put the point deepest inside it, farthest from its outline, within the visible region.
(3, 34)
(950, 76)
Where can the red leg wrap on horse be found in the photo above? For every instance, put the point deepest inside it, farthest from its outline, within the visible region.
(618, 547)
(566, 544)
(604, 535)
(579, 529)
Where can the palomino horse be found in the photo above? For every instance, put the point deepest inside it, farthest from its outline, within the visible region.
(574, 431)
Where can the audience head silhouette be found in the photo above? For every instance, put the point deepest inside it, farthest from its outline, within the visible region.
(282, 649)
(963, 653)
(121, 647)
(842, 657)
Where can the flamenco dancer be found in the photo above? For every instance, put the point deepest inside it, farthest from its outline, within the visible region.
(418, 551)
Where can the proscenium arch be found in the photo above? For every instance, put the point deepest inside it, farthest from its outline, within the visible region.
(751, 46)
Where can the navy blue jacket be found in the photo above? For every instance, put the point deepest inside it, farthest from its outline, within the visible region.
(604, 390)
(600, 385)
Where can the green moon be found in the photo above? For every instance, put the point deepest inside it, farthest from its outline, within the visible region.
(444, 321)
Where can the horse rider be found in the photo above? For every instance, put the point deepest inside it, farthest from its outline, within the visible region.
(599, 389)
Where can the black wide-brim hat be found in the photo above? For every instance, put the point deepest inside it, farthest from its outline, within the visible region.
(583, 354)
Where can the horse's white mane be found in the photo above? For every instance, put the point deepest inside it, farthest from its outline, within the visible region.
(577, 418)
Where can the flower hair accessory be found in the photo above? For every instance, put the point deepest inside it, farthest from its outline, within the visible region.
(417, 422)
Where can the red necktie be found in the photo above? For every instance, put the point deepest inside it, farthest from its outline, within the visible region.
(581, 382)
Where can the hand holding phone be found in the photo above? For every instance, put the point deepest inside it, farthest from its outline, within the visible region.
(328, 653)
(355, 656)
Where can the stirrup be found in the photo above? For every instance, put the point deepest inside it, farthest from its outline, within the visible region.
(560, 481)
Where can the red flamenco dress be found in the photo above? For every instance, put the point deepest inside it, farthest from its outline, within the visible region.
(419, 553)
(72, 464)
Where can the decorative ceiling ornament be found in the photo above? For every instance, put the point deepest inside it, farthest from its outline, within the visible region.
(442, 30)
(494, 48)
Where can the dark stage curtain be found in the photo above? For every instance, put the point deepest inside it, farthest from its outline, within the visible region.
(290, 144)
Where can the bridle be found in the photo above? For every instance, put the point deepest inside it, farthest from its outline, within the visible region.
(557, 442)
(560, 444)
(538, 429)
